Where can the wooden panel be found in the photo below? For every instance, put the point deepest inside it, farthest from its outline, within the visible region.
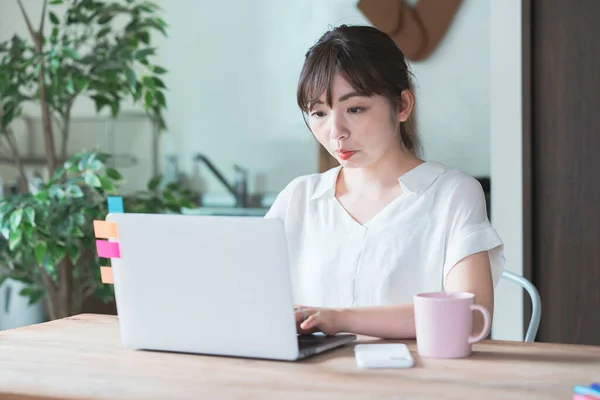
(566, 168)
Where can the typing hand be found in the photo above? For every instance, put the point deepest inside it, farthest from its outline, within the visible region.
(310, 320)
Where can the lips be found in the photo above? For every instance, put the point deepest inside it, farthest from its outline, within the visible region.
(345, 154)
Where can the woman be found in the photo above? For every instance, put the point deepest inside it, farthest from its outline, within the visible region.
(365, 236)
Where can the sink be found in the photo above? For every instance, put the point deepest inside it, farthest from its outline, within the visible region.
(232, 211)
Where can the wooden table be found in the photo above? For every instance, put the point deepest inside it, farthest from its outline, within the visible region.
(82, 358)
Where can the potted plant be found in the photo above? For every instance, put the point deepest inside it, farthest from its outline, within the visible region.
(48, 242)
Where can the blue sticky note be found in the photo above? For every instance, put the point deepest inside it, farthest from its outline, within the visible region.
(115, 204)
(585, 391)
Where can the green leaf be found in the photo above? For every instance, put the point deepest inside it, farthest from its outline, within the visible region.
(56, 192)
(148, 81)
(160, 98)
(70, 86)
(74, 191)
(58, 252)
(101, 102)
(103, 32)
(30, 216)
(141, 54)
(81, 83)
(92, 180)
(34, 294)
(5, 232)
(54, 36)
(53, 18)
(107, 184)
(28, 231)
(139, 89)
(15, 239)
(85, 161)
(74, 253)
(54, 64)
(70, 52)
(131, 78)
(56, 2)
(77, 232)
(114, 174)
(16, 218)
(158, 82)
(154, 182)
(115, 106)
(148, 99)
(106, 18)
(40, 252)
(159, 70)
(41, 196)
(144, 37)
(34, 297)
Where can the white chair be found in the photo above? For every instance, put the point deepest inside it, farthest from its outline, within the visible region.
(536, 303)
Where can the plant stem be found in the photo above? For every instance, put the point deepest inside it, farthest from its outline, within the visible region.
(46, 119)
(65, 277)
(12, 143)
(65, 130)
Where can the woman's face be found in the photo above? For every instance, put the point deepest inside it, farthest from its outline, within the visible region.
(357, 130)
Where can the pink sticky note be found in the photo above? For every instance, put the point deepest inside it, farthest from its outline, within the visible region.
(108, 249)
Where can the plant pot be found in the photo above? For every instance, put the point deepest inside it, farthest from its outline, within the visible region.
(15, 312)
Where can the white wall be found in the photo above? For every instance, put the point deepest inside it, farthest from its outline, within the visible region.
(506, 157)
(234, 66)
(234, 96)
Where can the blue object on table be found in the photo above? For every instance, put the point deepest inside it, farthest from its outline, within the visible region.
(115, 204)
(586, 391)
(595, 386)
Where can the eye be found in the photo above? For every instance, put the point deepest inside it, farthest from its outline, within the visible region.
(356, 110)
(318, 114)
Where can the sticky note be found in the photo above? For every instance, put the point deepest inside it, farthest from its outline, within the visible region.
(106, 274)
(105, 230)
(582, 397)
(585, 391)
(115, 204)
(108, 249)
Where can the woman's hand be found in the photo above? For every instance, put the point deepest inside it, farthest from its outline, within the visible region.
(310, 320)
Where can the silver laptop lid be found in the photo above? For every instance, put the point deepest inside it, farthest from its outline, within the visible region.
(204, 284)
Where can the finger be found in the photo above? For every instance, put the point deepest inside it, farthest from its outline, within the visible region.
(299, 317)
(311, 322)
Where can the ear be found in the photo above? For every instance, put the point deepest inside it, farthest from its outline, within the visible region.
(407, 101)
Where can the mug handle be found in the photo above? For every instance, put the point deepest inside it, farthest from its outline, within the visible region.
(486, 324)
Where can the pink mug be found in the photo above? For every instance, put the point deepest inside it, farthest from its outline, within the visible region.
(444, 322)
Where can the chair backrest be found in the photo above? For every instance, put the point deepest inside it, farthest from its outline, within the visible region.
(536, 303)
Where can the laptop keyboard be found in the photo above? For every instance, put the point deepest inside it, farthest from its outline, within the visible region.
(308, 341)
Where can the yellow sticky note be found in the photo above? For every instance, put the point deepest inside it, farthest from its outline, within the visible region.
(105, 230)
(106, 274)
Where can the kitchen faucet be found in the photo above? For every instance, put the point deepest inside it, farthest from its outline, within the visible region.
(239, 188)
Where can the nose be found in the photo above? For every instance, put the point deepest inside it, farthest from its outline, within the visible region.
(339, 129)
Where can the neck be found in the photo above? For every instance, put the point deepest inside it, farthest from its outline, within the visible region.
(380, 176)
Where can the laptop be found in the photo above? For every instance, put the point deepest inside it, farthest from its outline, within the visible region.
(215, 285)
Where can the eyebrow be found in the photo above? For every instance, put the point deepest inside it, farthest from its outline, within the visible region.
(349, 95)
(342, 98)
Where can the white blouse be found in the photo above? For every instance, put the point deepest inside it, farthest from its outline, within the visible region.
(407, 248)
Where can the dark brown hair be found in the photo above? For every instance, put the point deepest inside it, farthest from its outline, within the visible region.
(365, 57)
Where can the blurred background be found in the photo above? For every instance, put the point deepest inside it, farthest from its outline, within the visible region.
(501, 95)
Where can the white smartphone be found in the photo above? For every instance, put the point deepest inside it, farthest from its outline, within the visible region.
(384, 355)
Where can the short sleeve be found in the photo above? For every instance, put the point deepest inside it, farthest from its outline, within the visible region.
(280, 206)
(469, 230)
